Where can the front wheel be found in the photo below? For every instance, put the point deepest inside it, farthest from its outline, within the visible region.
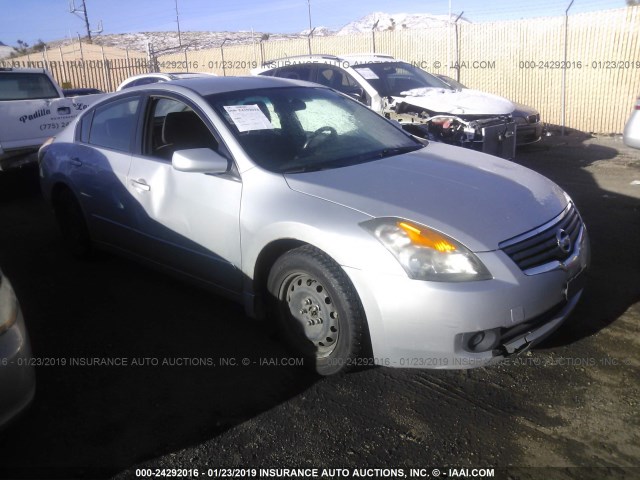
(317, 309)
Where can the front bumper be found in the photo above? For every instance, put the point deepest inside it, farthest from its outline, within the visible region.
(527, 134)
(17, 159)
(17, 374)
(419, 324)
(631, 135)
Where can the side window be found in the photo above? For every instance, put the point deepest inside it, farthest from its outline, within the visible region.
(172, 125)
(295, 72)
(338, 80)
(113, 124)
(85, 127)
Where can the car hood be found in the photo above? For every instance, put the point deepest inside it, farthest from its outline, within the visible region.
(477, 199)
(459, 102)
(523, 110)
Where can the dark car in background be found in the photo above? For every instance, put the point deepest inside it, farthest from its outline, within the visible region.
(75, 92)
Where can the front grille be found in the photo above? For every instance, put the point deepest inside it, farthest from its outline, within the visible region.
(544, 246)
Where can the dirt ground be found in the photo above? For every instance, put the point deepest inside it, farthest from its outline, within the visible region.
(567, 410)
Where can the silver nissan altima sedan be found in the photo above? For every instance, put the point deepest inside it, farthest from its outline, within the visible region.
(360, 243)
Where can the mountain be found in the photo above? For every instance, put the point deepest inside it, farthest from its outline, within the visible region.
(318, 32)
(397, 21)
(167, 42)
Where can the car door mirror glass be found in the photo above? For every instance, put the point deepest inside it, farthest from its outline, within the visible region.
(199, 160)
(356, 94)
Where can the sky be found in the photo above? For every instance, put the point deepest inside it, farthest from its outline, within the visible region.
(48, 20)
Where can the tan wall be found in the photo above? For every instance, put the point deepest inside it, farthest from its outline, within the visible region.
(521, 60)
(600, 90)
(85, 65)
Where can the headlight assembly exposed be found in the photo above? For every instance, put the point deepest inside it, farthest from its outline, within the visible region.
(426, 254)
(8, 305)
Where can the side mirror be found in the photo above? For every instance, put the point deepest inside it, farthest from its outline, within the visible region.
(199, 160)
(357, 94)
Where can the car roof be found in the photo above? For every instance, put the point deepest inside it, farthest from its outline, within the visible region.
(177, 75)
(348, 59)
(209, 85)
(22, 70)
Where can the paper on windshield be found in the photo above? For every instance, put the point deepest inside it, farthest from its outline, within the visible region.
(367, 73)
(248, 117)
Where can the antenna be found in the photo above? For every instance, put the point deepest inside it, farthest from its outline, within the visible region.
(82, 14)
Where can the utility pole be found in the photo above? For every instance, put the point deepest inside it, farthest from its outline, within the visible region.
(309, 38)
(82, 14)
(178, 22)
(449, 38)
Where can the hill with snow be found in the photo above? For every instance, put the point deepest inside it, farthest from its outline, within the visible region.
(397, 21)
(167, 42)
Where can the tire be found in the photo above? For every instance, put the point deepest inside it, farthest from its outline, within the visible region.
(73, 225)
(317, 310)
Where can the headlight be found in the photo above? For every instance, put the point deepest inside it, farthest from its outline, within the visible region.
(8, 305)
(426, 254)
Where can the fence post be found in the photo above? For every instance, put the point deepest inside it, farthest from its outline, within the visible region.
(373, 34)
(150, 56)
(128, 63)
(44, 58)
(224, 70)
(105, 67)
(564, 69)
(81, 52)
(457, 47)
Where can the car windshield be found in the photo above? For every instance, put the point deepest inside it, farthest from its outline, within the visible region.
(454, 83)
(393, 78)
(300, 129)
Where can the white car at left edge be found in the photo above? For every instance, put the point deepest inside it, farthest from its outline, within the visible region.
(17, 374)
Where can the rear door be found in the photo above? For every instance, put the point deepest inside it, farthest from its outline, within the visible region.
(98, 166)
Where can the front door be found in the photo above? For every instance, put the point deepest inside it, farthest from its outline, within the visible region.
(188, 221)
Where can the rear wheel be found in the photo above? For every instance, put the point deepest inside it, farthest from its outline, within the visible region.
(72, 225)
(317, 309)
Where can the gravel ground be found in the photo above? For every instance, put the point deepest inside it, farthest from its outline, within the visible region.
(567, 410)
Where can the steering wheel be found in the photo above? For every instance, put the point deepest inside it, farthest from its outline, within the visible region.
(316, 135)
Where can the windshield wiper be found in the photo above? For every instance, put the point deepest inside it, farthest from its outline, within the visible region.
(390, 152)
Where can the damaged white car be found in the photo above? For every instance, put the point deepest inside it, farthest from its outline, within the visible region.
(426, 106)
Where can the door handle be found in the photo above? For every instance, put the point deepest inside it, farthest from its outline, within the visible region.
(75, 161)
(64, 111)
(140, 184)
